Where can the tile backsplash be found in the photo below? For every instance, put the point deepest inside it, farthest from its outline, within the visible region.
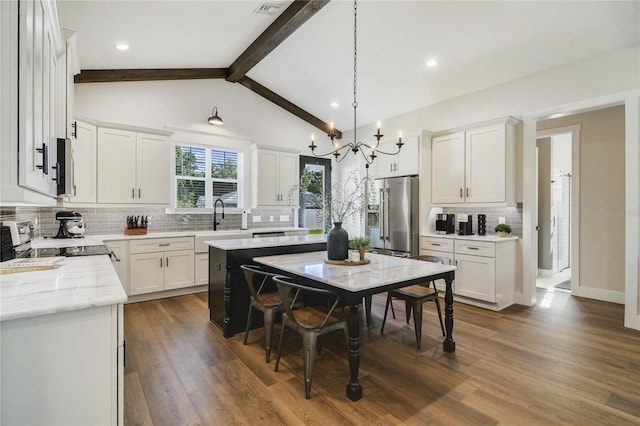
(111, 220)
(512, 215)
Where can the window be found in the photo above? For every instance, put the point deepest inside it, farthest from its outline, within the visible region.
(204, 175)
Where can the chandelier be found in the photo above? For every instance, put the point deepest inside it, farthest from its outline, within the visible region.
(340, 151)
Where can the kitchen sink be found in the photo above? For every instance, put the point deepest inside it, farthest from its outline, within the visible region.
(201, 237)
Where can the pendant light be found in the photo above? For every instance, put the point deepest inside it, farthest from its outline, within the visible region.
(215, 119)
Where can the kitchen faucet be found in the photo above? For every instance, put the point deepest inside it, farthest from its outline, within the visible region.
(215, 221)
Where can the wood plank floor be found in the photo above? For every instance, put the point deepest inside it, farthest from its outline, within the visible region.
(566, 361)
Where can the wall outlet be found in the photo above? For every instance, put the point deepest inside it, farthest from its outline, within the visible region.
(270, 218)
(501, 219)
(256, 219)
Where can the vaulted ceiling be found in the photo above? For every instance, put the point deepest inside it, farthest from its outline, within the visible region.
(301, 57)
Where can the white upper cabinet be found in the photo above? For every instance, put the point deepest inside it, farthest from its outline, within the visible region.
(447, 168)
(84, 163)
(40, 47)
(405, 163)
(133, 168)
(475, 166)
(275, 178)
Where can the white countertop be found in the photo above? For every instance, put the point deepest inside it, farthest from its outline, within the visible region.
(489, 238)
(90, 240)
(382, 270)
(251, 243)
(79, 283)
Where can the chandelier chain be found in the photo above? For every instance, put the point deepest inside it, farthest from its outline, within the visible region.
(355, 67)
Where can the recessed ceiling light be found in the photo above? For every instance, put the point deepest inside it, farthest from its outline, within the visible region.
(432, 63)
(122, 46)
(334, 105)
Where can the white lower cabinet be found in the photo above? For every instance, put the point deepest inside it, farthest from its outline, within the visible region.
(486, 274)
(159, 264)
(64, 368)
(202, 269)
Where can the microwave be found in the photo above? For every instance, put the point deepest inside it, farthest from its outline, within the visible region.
(64, 168)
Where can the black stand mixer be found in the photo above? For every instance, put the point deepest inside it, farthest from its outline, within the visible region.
(71, 225)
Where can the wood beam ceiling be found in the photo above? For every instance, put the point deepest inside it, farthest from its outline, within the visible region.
(286, 24)
(148, 74)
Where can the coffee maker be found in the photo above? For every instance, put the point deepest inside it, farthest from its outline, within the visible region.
(445, 223)
(465, 224)
(71, 225)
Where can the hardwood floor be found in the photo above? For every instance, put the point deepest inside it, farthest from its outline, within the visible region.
(565, 361)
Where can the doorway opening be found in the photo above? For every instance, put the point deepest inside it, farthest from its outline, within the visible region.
(315, 184)
(554, 183)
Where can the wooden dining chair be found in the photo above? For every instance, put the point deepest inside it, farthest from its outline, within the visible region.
(311, 322)
(264, 298)
(414, 297)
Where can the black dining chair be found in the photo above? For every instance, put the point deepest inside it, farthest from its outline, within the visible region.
(265, 298)
(414, 297)
(311, 322)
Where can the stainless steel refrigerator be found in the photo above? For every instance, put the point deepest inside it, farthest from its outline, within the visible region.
(393, 217)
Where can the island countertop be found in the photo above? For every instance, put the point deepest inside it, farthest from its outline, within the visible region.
(78, 283)
(253, 243)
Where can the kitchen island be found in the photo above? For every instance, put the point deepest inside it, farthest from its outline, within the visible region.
(228, 290)
(62, 344)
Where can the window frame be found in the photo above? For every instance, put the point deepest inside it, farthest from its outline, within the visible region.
(241, 182)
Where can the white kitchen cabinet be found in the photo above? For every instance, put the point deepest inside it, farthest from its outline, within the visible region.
(41, 45)
(64, 368)
(72, 68)
(202, 269)
(275, 177)
(486, 270)
(405, 163)
(84, 147)
(132, 167)
(159, 264)
(120, 249)
(475, 166)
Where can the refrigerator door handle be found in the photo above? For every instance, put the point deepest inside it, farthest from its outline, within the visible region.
(384, 214)
(382, 211)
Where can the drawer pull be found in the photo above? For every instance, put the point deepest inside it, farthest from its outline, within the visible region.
(163, 245)
(436, 244)
(473, 248)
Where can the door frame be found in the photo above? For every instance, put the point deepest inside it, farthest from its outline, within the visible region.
(631, 101)
(575, 198)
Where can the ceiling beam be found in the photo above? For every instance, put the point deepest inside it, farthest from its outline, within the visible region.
(286, 24)
(148, 74)
(288, 106)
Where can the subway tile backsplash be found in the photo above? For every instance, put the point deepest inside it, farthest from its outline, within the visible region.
(512, 215)
(111, 220)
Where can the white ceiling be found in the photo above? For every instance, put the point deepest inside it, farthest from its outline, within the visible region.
(478, 44)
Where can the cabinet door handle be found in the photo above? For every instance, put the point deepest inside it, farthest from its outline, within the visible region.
(45, 158)
(467, 192)
(167, 262)
(139, 193)
(161, 262)
(133, 193)
(74, 131)
(460, 192)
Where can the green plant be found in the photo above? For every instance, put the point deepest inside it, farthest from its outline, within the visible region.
(503, 227)
(360, 243)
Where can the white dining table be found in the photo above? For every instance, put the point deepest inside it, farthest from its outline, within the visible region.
(353, 281)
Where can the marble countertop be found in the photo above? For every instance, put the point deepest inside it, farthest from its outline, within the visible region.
(488, 238)
(90, 240)
(251, 243)
(79, 283)
(382, 270)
